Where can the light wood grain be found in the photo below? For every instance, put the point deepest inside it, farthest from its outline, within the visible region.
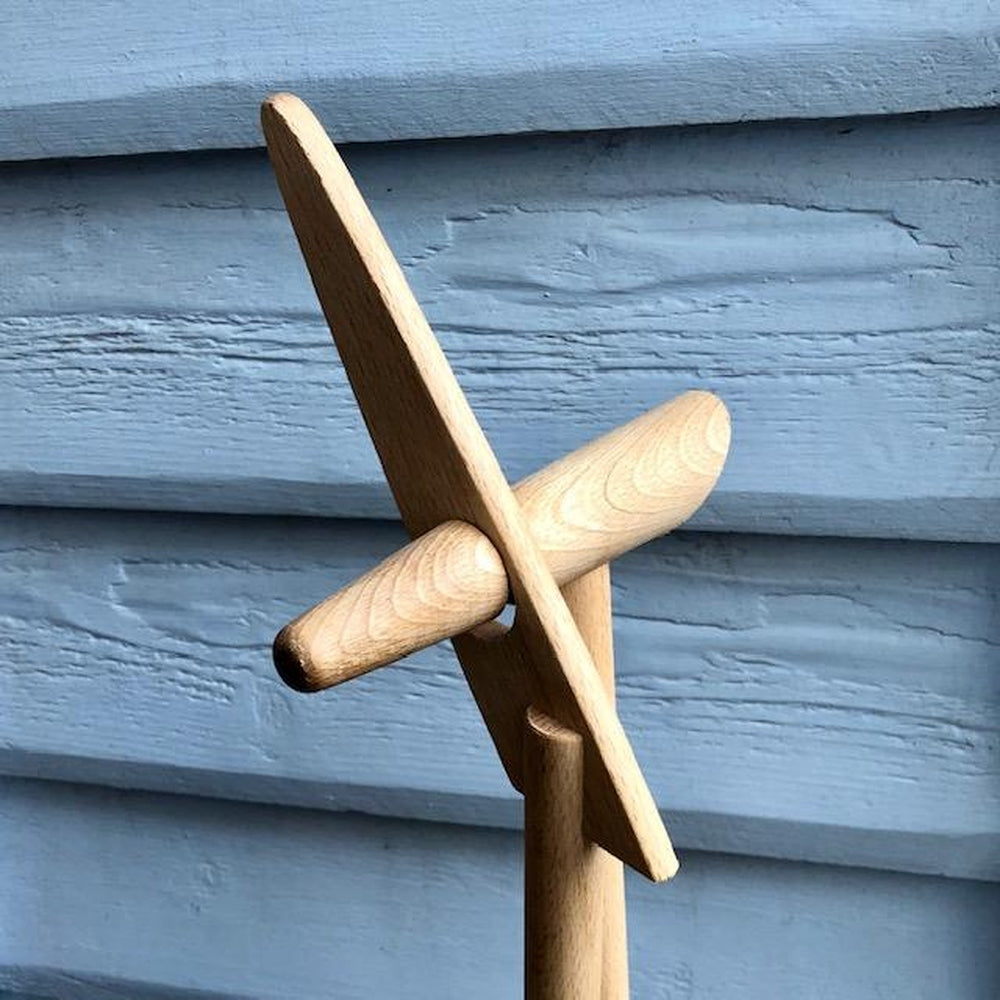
(445, 582)
(588, 598)
(575, 928)
(440, 466)
(633, 484)
(563, 884)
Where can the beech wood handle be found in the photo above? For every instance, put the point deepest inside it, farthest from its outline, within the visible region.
(634, 483)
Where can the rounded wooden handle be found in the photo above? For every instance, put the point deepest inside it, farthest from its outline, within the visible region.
(634, 483)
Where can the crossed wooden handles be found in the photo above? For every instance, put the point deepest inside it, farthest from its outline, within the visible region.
(478, 542)
(633, 484)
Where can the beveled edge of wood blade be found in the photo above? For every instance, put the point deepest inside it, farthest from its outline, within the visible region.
(447, 469)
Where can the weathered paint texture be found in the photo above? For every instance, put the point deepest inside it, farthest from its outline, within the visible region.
(835, 283)
(182, 75)
(119, 895)
(811, 675)
(820, 699)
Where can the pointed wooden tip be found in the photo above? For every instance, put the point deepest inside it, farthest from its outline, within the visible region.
(282, 105)
(663, 867)
(287, 120)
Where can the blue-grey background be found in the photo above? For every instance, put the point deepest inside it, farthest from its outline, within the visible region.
(794, 204)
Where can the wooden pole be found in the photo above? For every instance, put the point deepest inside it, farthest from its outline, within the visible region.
(574, 892)
(563, 887)
(589, 599)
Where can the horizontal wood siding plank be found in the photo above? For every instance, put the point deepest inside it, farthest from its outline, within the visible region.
(835, 283)
(825, 700)
(188, 75)
(124, 895)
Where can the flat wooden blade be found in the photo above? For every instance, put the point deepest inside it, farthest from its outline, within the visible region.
(440, 467)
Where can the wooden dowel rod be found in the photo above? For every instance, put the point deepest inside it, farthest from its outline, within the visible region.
(633, 484)
(589, 600)
(614, 945)
(563, 891)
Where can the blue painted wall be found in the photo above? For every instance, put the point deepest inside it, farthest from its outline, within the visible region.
(623, 209)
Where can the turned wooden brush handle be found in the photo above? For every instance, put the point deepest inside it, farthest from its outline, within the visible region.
(634, 483)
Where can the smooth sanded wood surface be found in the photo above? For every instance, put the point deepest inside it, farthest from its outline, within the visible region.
(635, 483)
(188, 76)
(563, 870)
(121, 896)
(834, 283)
(589, 599)
(441, 468)
(824, 699)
